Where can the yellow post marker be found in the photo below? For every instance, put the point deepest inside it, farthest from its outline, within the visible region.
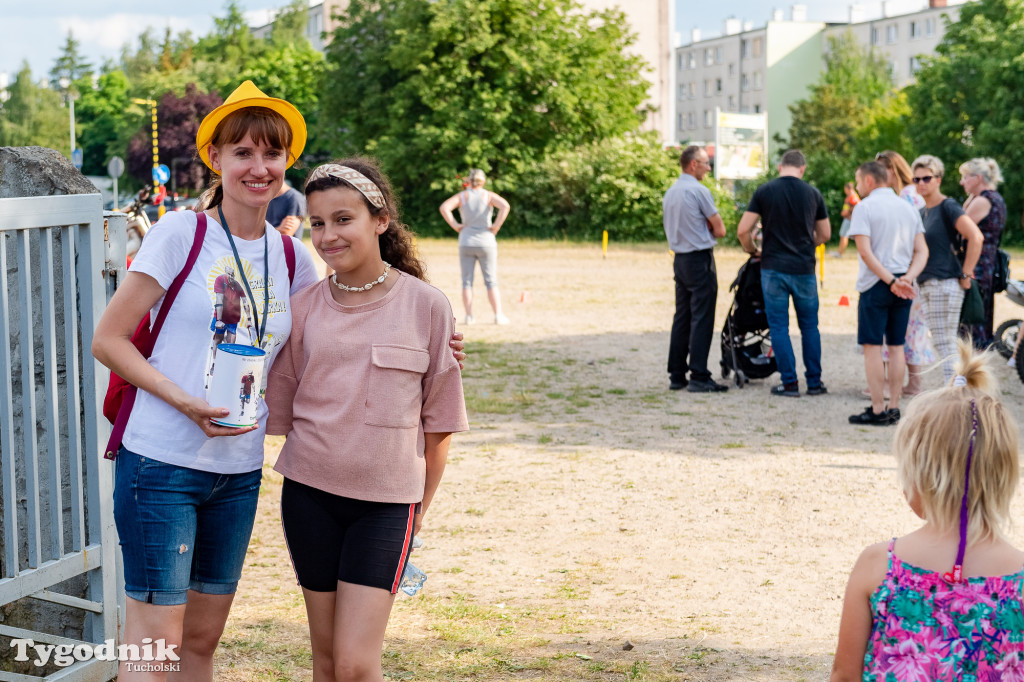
(604, 244)
(156, 151)
(820, 253)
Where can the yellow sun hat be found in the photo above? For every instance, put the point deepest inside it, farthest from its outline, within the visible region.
(248, 95)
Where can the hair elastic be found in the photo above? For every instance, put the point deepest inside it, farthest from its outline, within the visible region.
(959, 380)
(956, 575)
(362, 183)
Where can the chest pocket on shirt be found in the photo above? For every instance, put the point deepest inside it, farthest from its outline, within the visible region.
(395, 392)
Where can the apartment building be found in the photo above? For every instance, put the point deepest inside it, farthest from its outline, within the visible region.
(650, 20)
(753, 70)
(901, 38)
(746, 70)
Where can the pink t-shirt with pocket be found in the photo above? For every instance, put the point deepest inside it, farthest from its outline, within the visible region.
(356, 387)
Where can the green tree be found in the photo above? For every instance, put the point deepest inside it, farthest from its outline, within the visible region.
(70, 65)
(854, 81)
(33, 115)
(434, 88)
(853, 112)
(968, 98)
(225, 52)
(102, 123)
(290, 25)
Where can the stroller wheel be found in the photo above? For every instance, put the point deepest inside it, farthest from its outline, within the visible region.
(741, 378)
(1006, 337)
(726, 370)
(1020, 361)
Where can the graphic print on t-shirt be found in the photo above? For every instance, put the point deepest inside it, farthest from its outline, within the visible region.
(232, 320)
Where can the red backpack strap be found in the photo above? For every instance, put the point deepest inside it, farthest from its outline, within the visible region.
(172, 291)
(289, 257)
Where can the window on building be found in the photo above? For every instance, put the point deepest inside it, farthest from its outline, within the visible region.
(915, 30)
(732, 102)
(691, 59)
(892, 33)
(709, 57)
(745, 109)
(757, 47)
(718, 55)
(718, 86)
(732, 70)
(744, 48)
(693, 89)
(679, 122)
(915, 65)
(758, 82)
(680, 61)
(707, 87)
(892, 68)
(744, 83)
(691, 120)
(757, 108)
(708, 120)
(874, 35)
(682, 91)
(929, 27)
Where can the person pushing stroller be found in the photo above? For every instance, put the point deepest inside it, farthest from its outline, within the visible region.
(795, 221)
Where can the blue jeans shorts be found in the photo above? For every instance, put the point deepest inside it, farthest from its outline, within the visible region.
(181, 529)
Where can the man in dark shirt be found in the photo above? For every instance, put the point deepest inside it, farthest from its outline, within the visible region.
(794, 221)
(287, 211)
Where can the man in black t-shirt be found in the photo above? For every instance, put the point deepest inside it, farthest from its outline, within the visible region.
(795, 221)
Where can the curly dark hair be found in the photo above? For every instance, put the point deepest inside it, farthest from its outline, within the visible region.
(396, 242)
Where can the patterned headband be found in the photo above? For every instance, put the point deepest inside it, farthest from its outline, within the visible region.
(352, 176)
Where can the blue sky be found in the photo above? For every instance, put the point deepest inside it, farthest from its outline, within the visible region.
(35, 31)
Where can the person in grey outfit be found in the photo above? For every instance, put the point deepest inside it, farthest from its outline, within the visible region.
(692, 224)
(477, 243)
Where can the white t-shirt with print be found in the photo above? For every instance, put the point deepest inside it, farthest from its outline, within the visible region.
(155, 429)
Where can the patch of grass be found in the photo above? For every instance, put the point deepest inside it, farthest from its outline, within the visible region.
(731, 446)
(616, 391)
(543, 439)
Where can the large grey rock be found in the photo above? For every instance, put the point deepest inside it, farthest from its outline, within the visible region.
(39, 172)
(27, 172)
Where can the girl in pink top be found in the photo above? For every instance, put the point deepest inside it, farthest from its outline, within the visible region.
(944, 602)
(369, 395)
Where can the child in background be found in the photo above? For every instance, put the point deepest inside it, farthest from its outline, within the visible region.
(852, 199)
(369, 394)
(944, 602)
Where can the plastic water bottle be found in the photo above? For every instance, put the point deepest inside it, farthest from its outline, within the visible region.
(412, 579)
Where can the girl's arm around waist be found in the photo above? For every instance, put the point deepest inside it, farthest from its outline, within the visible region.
(855, 624)
(112, 345)
(435, 453)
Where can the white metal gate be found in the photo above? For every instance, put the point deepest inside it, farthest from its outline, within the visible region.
(57, 275)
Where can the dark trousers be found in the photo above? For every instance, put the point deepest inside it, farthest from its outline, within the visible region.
(693, 326)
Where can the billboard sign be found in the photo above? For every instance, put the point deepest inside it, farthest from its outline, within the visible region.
(741, 145)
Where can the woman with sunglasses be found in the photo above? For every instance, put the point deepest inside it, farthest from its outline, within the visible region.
(985, 206)
(944, 279)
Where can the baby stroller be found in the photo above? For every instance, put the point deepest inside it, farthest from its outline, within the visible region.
(746, 341)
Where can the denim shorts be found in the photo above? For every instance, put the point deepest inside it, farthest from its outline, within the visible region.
(882, 316)
(181, 529)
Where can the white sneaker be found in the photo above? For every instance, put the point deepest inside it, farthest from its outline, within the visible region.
(500, 319)
(469, 319)
(1011, 363)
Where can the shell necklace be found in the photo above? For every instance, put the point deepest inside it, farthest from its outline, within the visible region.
(365, 287)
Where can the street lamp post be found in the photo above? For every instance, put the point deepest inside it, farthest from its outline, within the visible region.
(156, 151)
(65, 84)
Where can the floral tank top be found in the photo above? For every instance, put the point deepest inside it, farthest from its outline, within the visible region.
(925, 628)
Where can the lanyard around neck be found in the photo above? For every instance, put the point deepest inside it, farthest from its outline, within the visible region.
(261, 325)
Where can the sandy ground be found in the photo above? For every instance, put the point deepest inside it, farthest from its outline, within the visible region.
(715, 532)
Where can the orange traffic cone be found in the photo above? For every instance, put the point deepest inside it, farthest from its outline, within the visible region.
(843, 300)
(525, 297)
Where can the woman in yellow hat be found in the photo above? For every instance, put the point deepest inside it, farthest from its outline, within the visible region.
(188, 474)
